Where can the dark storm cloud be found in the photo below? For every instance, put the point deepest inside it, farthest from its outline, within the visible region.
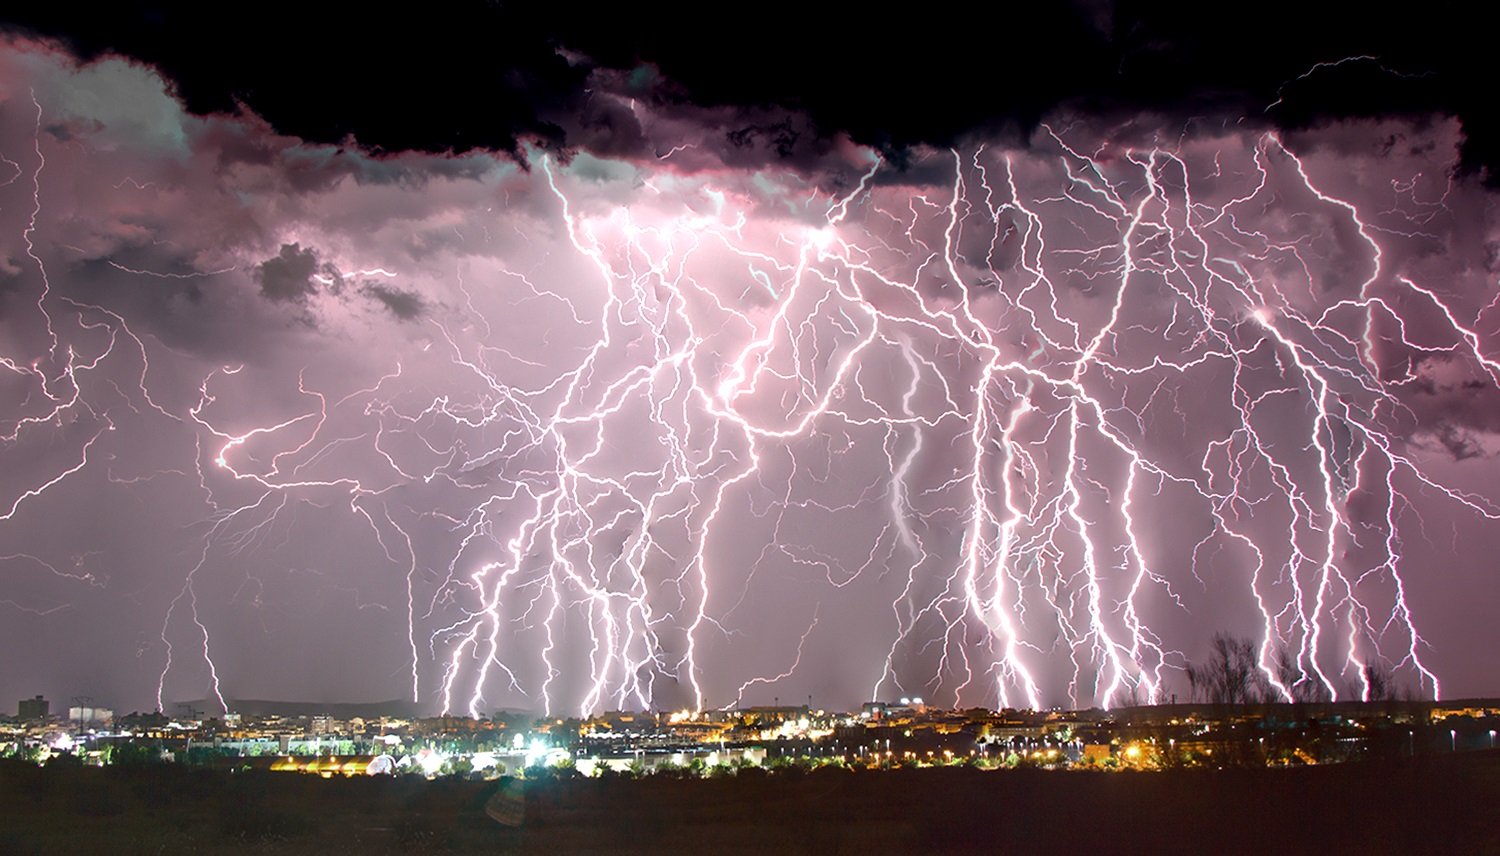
(405, 305)
(387, 80)
(290, 276)
(459, 74)
(1459, 444)
(1456, 405)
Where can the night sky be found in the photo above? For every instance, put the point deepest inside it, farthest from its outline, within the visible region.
(497, 361)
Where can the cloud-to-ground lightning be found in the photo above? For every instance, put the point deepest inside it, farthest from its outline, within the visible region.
(991, 427)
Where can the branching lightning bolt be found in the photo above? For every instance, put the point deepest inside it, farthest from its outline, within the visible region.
(1028, 364)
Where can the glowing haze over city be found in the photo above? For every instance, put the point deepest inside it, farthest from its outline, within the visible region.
(711, 406)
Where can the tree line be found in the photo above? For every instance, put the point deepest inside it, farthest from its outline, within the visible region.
(1232, 675)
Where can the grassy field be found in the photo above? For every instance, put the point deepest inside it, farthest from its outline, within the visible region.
(1440, 804)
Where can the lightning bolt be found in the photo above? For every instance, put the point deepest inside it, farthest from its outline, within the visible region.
(1034, 410)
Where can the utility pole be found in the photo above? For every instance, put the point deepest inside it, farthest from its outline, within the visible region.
(83, 703)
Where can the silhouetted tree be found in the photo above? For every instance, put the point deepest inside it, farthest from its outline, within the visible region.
(1127, 696)
(1380, 681)
(1232, 674)
(1302, 687)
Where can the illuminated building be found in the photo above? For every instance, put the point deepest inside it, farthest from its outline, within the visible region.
(90, 715)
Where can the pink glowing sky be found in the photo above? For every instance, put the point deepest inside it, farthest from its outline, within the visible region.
(689, 415)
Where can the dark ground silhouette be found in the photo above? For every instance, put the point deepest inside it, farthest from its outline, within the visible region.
(1442, 804)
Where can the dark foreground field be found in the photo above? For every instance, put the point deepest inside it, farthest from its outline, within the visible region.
(1435, 805)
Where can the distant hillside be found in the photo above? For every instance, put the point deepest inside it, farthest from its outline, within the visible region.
(396, 708)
